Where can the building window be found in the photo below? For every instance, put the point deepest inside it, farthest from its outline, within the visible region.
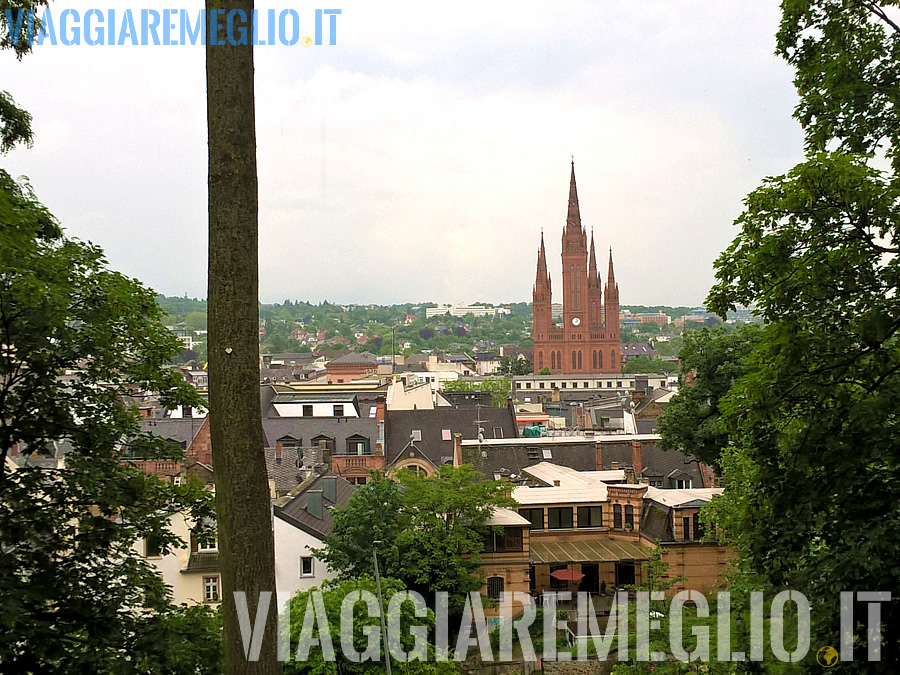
(338, 410)
(494, 587)
(587, 385)
(553, 360)
(358, 480)
(528, 385)
(307, 410)
(358, 445)
(559, 518)
(579, 358)
(306, 566)
(508, 539)
(574, 359)
(289, 442)
(535, 516)
(698, 528)
(329, 442)
(211, 589)
(683, 484)
(612, 360)
(609, 385)
(574, 385)
(207, 543)
(152, 547)
(540, 360)
(629, 516)
(619, 383)
(595, 359)
(512, 538)
(657, 483)
(590, 516)
(563, 385)
(617, 516)
(686, 525)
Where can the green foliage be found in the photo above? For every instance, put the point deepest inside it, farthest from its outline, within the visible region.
(511, 366)
(846, 57)
(500, 388)
(711, 361)
(374, 513)
(815, 418)
(425, 525)
(76, 337)
(655, 570)
(644, 364)
(333, 595)
(545, 371)
(15, 124)
(195, 321)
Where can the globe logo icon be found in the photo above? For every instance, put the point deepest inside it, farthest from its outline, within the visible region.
(827, 657)
(306, 41)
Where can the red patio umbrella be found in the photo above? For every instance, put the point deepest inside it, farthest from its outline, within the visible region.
(567, 575)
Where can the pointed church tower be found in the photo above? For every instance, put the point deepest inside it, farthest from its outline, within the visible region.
(611, 312)
(541, 295)
(587, 341)
(574, 265)
(594, 292)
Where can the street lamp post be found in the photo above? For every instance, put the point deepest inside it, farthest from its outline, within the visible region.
(384, 640)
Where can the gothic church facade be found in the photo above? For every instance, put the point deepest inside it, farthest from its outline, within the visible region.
(587, 341)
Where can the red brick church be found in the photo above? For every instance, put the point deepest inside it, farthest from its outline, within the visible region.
(587, 341)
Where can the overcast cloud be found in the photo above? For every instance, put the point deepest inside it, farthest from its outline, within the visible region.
(419, 158)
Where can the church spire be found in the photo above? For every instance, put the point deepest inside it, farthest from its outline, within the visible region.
(542, 277)
(611, 277)
(593, 276)
(573, 219)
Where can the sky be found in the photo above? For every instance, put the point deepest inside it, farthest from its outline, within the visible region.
(420, 157)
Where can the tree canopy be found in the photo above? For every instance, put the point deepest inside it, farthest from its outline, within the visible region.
(75, 340)
(711, 361)
(431, 529)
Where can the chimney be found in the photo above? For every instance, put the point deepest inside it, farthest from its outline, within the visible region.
(637, 460)
(314, 503)
(555, 483)
(629, 475)
(329, 488)
(325, 454)
(278, 450)
(614, 466)
(598, 456)
(457, 449)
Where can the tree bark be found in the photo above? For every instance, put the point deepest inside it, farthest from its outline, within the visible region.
(246, 546)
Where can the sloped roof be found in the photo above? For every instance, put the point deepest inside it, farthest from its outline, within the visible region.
(294, 510)
(435, 444)
(574, 486)
(352, 358)
(683, 498)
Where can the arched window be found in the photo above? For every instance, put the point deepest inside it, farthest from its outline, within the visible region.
(540, 360)
(595, 359)
(579, 360)
(612, 361)
(494, 587)
(559, 360)
(553, 360)
(629, 516)
(574, 360)
(599, 360)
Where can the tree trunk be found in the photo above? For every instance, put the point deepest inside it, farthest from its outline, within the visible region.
(246, 546)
